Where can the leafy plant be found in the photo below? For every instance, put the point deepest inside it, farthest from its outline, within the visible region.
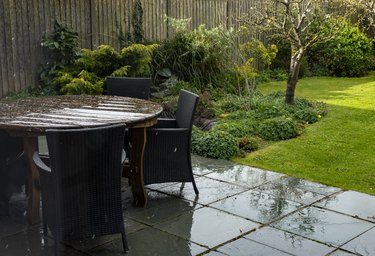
(84, 83)
(200, 56)
(102, 61)
(349, 54)
(62, 50)
(214, 144)
(137, 22)
(138, 58)
(278, 128)
(248, 144)
(236, 129)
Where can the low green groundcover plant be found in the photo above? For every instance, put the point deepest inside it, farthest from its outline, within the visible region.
(254, 120)
(336, 151)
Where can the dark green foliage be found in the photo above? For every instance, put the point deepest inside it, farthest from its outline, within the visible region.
(271, 75)
(137, 22)
(84, 83)
(236, 129)
(350, 54)
(214, 144)
(232, 103)
(62, 50)
(133, 60)
(138, 58)
(278, 128)
(307, 115)
(200, 56)
(62, 43)
(248, 144)
(266, 116)
(102, 61)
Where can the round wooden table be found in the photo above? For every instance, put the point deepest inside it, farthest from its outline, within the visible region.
(31, 117)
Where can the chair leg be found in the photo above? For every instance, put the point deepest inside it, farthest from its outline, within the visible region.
(124, 242)
(195, 187)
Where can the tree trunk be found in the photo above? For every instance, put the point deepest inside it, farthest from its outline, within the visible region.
(295, 64)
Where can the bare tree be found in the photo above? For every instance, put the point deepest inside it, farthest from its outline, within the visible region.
(302, 23)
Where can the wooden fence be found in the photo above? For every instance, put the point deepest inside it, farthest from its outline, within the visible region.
(23, 23)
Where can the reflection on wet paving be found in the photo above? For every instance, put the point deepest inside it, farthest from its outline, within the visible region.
(239, 211)
(288, 242)
(257, 206)
(325, 226)
(352, 203)
(245, 176)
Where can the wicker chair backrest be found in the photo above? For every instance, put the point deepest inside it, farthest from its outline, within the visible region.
(134, 87)
(187, 103)
(84, 186)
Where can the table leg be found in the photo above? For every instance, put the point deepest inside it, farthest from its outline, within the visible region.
(136, 166)
(30, 146)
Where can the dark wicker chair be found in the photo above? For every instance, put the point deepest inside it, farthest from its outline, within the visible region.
(13, 168)
(81, 190)
(167, 153)
(135, 87)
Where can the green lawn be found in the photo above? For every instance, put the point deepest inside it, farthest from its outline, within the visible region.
(339, 150)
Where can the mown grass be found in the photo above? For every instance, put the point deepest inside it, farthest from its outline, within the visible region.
(339, 150)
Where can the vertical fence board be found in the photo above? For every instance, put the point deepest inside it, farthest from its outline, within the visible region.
(23, 23)
(3, 61)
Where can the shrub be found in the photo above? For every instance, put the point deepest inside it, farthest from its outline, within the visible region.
(138, 58)
(121, 72)
(278, 128)
(236, 129)
(248, 144)
(307, 115)
(62, 50)
(232, 103)
(102, 61)
(84, 83)
(214, 144)
(350, 54)
(200, 56)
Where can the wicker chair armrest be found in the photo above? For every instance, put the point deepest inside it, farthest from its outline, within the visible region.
(169, 130)
(166, 123)
(123, 157)
(41, 165)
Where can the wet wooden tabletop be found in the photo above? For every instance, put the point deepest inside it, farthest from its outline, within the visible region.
(35, 115)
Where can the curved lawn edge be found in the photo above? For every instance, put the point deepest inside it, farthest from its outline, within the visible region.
(339, 149)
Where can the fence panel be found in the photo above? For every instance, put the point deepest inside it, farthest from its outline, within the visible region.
(23, 23)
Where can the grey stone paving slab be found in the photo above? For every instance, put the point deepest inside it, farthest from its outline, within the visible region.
(150, 241)
(307, 185)
(132, 226)
(87, 244)
(323, 225)
(341, 253)
(292, 193)
(352, 203)
(10, 226)
(209, 190)
(257, 206)
(203, 166)
(160, 207)
(31, 242)
(245, 247)
(364, 244)
(214, 253)
(244, 175)
(93, 242)
(208, 227)
(289, 242)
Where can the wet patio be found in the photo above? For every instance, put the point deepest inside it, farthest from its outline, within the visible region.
(240, 211)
